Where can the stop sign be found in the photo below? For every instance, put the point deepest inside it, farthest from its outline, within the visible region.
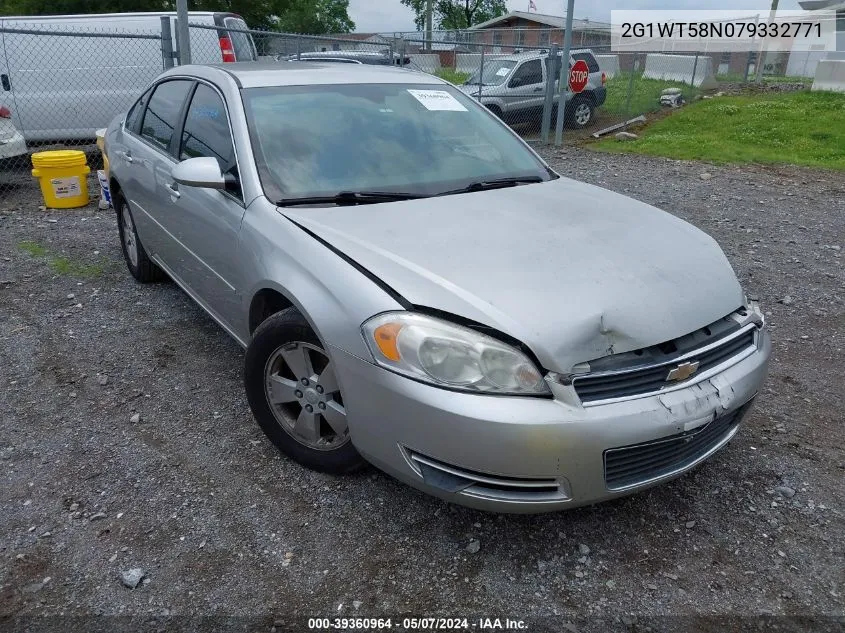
(578, 76)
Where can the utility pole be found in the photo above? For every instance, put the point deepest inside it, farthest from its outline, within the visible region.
(563, 87)
(429, 21)
(183, 33)
(761, 58)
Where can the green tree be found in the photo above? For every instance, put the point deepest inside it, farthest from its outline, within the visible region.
(457, 14)
(315, 17)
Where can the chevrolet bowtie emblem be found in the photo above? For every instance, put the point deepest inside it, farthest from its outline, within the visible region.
(682, 371)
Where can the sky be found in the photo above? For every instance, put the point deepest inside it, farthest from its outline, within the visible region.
(390, 15)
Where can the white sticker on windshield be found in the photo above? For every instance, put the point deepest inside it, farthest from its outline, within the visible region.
(503, 71)
(437, 100)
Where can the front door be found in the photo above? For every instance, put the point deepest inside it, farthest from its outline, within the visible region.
(206, 222)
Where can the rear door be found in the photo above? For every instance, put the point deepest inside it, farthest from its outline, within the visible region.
(149, 157)
(526, 87)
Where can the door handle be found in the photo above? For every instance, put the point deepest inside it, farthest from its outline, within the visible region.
(172, 188)
(538, 89)
(126, 156)
(7, 85)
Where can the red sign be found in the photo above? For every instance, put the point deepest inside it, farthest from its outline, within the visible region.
(579, 74)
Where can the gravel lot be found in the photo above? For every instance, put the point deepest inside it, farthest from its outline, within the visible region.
(126, 442)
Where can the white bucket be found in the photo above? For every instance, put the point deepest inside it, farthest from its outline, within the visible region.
(105, 194)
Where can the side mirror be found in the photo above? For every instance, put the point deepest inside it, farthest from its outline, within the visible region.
(199, 172)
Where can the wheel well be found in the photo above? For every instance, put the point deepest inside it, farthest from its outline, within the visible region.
(114, 189)
(495, 109)
(264, 304)
(589, 96)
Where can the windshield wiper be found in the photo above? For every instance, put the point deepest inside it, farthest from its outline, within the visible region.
(350, 198)
(498, 183)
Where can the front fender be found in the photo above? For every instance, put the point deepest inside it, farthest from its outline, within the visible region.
(332, 294)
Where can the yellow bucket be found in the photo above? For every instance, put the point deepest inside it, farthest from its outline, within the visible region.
(63, 176)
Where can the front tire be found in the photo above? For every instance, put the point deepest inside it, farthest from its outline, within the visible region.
(294, 395)
(137, 261)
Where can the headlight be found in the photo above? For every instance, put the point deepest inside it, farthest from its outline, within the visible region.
(447, 355)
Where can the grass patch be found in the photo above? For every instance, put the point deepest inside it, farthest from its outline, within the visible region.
(33, 248)
(645, 94)
(61, 265)
(800, 128)
(768, 79)
(451, 75)
(65, 266)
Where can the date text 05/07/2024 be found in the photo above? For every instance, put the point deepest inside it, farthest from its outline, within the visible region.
(417, 624)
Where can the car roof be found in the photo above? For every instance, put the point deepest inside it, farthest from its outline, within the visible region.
(262, 74)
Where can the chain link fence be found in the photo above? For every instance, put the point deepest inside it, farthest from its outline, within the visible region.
(60, 85)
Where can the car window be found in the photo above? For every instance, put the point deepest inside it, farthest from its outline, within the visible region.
(162, 113)
(495, 72)
(133, 117)
(418, 138)
(242, 42)
(592, 64)
(206, 131)
(529, 73)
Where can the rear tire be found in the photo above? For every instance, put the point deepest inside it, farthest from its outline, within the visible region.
(293, 392)
(580, 112)
(138, 262)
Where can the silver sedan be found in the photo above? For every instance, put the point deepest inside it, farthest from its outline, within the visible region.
(416, 288)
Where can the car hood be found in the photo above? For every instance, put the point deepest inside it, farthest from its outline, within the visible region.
(574, 271)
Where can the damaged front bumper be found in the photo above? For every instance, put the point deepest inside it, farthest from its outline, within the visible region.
(511, 454)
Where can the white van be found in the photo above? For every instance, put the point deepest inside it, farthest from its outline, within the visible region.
(66, 87)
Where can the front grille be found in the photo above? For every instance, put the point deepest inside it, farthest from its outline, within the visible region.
(632, 465)
(459, 480)
(619, 384)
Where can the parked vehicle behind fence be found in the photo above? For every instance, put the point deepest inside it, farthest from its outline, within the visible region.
(12, 143)
(372, 58)
(64, 87)
(514, 86)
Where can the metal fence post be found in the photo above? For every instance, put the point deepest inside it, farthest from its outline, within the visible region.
(183, 33)
(298, 49)
(404, 50)
(551, 74)
(634, 70)
(480, 74)
(390, 52)
(166, 43)
(563, 89)
(694, 69)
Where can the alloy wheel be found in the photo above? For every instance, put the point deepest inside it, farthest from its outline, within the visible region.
(129, 239)
(582, 114)
(301, 388)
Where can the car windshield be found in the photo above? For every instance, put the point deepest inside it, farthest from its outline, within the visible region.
(419, 139)
(495, 72)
